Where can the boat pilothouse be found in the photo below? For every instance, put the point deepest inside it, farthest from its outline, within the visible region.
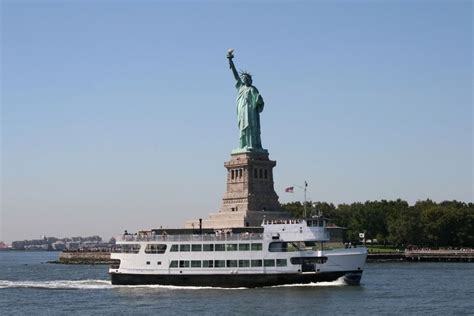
(279, 252)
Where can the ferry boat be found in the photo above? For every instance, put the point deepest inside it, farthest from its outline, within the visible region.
(277, 253)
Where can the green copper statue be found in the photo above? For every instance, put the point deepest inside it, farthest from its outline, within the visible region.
(249, 105)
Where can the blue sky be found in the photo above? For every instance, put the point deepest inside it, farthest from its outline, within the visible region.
(119, 115)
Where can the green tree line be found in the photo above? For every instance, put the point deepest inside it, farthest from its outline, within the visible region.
(426, 223)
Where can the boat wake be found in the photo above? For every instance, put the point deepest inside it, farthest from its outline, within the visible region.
(91, 285)
(106, 284)
(338, 282)
(58, 284)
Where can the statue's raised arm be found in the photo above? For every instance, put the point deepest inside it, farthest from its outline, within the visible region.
(230, 55)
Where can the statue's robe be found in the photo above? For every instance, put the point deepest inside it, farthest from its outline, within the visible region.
(249, 105)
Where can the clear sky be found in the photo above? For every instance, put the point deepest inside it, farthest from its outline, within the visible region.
(120, 114)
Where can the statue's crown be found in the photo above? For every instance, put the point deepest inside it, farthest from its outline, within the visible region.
(245, 73)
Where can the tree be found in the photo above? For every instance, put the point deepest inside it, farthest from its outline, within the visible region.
(404, 228)
(427, 223)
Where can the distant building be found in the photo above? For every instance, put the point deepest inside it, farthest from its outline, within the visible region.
(72, 245)
(59, 245)
(37, 247)
(92, 243)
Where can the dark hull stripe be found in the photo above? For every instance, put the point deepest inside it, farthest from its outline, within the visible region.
(235, 280)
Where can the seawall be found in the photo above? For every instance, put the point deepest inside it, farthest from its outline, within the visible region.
(84, 257)
(385, 257)
(441, 255)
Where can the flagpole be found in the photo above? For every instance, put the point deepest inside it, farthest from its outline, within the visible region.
(305, 185)
(290, 190)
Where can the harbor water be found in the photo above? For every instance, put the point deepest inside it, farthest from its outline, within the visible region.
(30, 285)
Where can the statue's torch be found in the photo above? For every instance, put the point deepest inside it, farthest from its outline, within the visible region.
(230, 53)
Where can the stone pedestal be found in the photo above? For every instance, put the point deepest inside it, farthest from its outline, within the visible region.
(250, 184)
(250, 195)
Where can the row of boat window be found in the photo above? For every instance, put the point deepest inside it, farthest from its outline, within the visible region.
(217, 247)
(228, 263)
(161, 248)
(273, 247)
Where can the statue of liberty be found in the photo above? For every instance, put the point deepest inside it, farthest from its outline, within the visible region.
(249, 105)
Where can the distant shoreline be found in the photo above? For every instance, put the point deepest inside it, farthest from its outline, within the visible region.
(28, 250)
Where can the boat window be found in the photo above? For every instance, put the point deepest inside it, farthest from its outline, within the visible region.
(159, 263)
(244, 263)
(295, 260)
(281, 262)
(115, 264)
(231, 247)
(184, 247)
(155, 248)
(207, 263)
(219, 263)
(219, 247)
(183, 263)
(315, 223)
(269, 263)
(174, 264)
(308, 260)
(291, 246)
(208, 247)
(196, 247)
(256, 263)
(278, 247)
(148, 262)
(126, 248)
(256, 247)
(195, 264)
(231, 263)
(244, 247)
(174, 248)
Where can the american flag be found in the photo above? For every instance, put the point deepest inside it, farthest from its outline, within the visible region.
(289, 189)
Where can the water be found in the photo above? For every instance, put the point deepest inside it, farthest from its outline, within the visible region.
(28, 285)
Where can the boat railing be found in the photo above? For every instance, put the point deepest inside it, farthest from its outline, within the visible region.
(203, 237)
(283, 222)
